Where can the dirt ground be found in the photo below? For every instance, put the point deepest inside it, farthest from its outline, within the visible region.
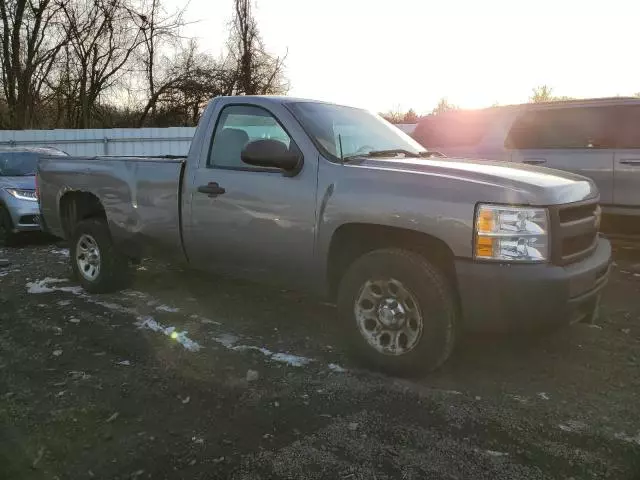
(193, 377)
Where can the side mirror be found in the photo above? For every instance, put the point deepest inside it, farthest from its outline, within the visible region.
(272, 154)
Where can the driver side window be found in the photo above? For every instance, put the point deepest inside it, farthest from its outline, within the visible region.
(237, 126)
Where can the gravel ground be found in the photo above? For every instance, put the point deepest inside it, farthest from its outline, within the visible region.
(193, 377)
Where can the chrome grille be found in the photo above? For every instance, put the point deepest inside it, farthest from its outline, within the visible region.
(574, 230)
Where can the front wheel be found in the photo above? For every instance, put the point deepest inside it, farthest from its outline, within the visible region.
(399, 310)
(96, 263)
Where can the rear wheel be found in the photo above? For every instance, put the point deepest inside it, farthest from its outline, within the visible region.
(7, 236)
(400, 311)
(96, 263)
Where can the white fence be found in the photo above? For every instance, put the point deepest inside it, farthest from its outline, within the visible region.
(115, 141)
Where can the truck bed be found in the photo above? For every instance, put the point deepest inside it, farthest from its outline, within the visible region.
(140, 195)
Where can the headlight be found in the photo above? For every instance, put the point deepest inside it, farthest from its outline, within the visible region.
(23, 194)
(504, 233)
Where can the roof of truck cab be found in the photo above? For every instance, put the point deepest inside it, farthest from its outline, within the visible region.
(278, 99)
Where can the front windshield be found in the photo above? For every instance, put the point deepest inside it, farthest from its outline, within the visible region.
(18, 164)
(359, 131)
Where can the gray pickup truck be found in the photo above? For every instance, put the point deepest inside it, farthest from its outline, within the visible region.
(336, 201)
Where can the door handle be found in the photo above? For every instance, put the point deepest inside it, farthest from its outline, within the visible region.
(631, 162)
(212, 189)
(534, 161)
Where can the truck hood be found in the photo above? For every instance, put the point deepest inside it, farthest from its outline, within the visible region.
(25, 183)
(540, 185)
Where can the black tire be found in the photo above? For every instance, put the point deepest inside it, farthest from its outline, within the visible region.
(7, 236)
(436, 306)
(114, 272)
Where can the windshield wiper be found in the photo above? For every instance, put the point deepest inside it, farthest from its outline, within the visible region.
(432, 153)
(382, 153)
(393, 151)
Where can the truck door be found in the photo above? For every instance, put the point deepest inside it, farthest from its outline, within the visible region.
(626, 179)
(575, 139)
(249, 221)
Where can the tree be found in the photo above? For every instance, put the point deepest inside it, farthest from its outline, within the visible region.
(394, 115)
(410, 117)
(544, 93)
(102, 35)
(257, 71)
(84, 63)
(541, 94)
(158, 28)
(443, 106)
(30, 42)
(191, 80)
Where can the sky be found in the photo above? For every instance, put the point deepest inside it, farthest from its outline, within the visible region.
(400, 54)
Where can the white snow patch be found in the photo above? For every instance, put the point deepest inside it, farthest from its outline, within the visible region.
(226, 339)
(124, 363)
(243, 348)
(336, 368)
(520, 398)
(4, 273)
(293, 360)
(204, 320)
(79, 375)
(167, 308)
(180, 337)
(229, 341)
(628, 438)
(47, 285)
(493, 453)
(150, 323)
(76, 289)
(43, 286)
(134, 293)
(544, 396)
(111, 306)
(64, 303)
(63, 252)
(573, 426)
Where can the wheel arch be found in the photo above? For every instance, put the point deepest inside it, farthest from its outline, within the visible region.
(75, 206)
(352, 240)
